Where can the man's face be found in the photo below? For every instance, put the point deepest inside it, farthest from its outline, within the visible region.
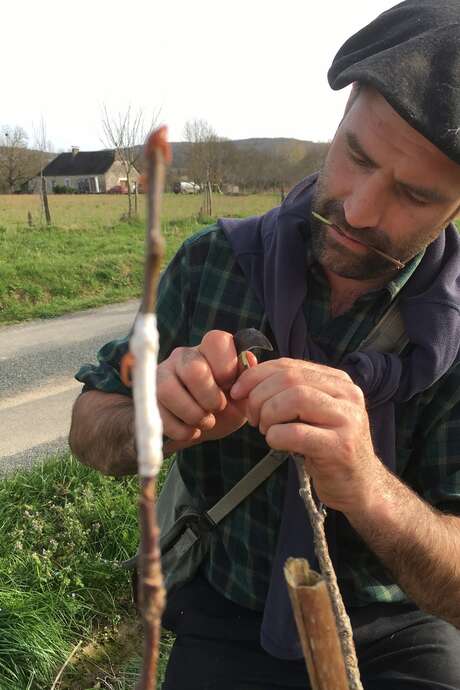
(382, 183)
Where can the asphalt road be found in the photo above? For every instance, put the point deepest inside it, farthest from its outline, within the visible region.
(38, 360)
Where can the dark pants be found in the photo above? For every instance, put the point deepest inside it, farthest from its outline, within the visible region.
(217, 647)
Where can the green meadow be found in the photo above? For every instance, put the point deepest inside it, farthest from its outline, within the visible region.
(91, 255)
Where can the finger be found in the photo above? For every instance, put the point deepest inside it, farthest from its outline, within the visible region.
(306, 405)
(196, 375)
(219, 350)
(334, 387)
(303, 439)
(175, 429)
(252, 377)
(177, 399)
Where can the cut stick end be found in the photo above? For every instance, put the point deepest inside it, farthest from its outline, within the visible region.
(298, 573)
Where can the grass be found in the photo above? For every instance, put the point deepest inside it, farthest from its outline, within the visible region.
(64, 527)
(47, 272)
(90, 257)
(77, 212)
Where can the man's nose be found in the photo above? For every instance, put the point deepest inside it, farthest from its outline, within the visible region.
(365, 205)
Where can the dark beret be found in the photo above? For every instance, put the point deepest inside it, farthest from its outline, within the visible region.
(411, 55)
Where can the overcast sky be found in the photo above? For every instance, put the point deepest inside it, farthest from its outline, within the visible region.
(251, 68)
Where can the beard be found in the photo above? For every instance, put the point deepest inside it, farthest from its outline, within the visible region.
(343, 261)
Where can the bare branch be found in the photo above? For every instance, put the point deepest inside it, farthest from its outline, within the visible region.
(125, 133)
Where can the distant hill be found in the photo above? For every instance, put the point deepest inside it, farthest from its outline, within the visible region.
(267, 144)
(293, 148)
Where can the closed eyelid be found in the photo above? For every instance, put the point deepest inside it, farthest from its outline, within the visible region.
(412, 196)
(361, 161)
(356, 152)
(422, 196)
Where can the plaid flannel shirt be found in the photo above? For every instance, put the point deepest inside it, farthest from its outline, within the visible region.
(204, 289)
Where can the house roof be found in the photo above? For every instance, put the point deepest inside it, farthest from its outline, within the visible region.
(81, 163)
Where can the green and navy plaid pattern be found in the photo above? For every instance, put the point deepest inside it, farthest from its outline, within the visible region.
(204, 289)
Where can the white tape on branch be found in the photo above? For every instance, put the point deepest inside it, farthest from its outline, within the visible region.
(148, 425)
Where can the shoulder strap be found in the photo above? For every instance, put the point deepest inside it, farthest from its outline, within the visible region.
(249, 483)
(389, 334)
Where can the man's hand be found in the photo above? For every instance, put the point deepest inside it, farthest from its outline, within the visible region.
(193, 385)
(318, 412)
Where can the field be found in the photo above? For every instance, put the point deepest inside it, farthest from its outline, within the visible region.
(84, 212)
(91, 255)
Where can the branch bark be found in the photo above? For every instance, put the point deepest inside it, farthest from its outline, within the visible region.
(317, 517)
(142, 363)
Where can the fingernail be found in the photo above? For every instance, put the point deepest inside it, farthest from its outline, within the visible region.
(207, 422)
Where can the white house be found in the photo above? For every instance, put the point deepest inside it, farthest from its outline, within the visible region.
(86, 171)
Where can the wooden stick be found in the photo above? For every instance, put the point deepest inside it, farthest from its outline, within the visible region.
(317, 517)
(148, 427)
(151, 596)
(316, 626)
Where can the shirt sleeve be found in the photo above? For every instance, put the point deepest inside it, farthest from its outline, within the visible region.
(440, 472)
(172, 316)
(436, 474)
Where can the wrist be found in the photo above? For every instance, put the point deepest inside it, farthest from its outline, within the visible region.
(376, 505)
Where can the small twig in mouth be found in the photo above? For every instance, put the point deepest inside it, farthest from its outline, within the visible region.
(395, 262)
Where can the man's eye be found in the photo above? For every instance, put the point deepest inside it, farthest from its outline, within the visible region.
(359, 161)
(414, 199)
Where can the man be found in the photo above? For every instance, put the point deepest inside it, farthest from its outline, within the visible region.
(380, 433)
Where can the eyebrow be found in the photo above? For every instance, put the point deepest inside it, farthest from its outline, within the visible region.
(428, 194)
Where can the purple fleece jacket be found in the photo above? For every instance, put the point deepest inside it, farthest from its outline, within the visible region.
(270, 250)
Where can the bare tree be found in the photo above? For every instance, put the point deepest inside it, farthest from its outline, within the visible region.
(200, 136)
(209, 157)
(15, 157)
(125, 133)
(43, 146)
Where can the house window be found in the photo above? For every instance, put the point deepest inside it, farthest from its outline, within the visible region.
(67, 182)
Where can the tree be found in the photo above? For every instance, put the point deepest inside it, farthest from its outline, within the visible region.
(276, 166)
(209, 157)
(126, 133)
(43, 147)
(16, 160)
